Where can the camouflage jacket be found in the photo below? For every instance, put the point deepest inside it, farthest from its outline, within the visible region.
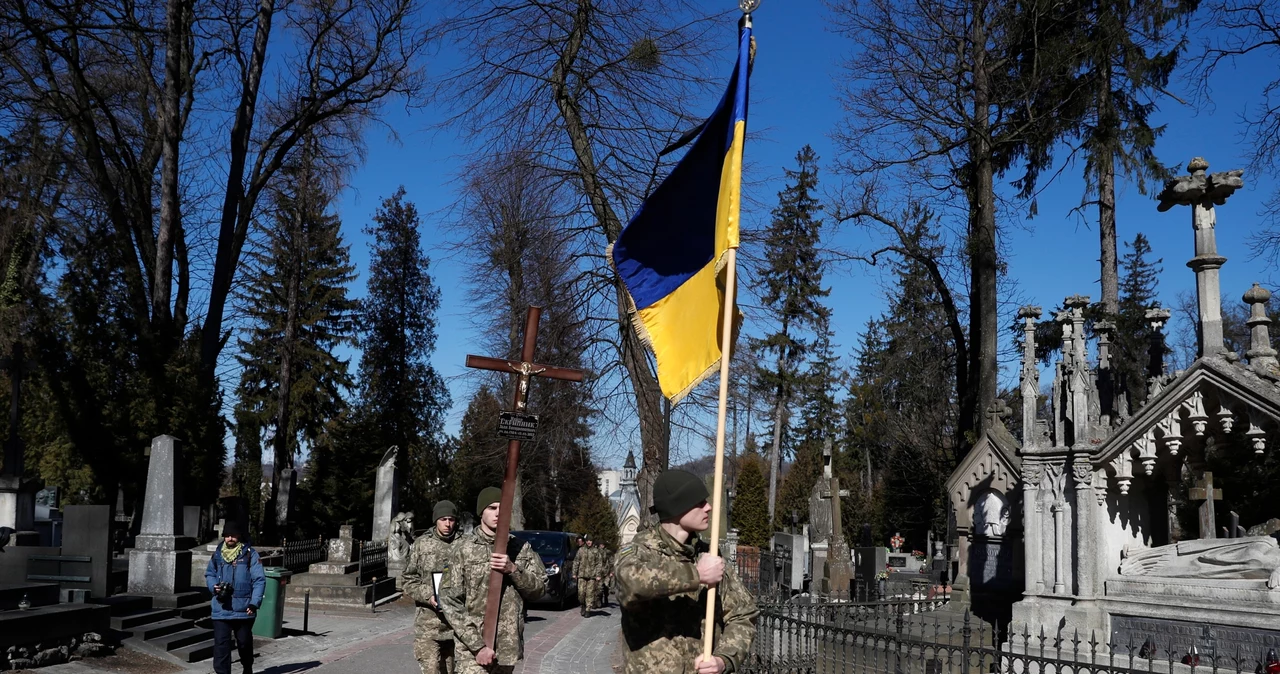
(465, 589)
(430, 554)
(587, 563)
(663, 606)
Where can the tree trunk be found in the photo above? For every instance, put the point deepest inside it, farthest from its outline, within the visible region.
(983, 330)
(644, 383)
(282, 456)
(231, 228)
(1106, 176)
(775, 459)
(171, 140)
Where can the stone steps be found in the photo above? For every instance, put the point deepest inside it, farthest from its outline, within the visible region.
(131, 621)
(164, 625)
(39, 594)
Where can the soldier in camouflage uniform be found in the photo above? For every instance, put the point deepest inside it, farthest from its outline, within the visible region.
(464, 592)
(606, 573)
(663, 576)
(432, 640)
(587, 569)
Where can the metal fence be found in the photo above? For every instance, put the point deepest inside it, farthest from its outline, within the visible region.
(299, 555)
(924, 635)
(373, 562)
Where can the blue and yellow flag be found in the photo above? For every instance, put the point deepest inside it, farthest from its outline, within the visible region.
(671, 255)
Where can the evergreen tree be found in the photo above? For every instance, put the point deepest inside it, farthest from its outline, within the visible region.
(593, 515)
(1126, 57)
(750, 505)
(402, 399)
(1133, 332)
(480, 457)
(292, 382)
(792, 291)
(901, 410)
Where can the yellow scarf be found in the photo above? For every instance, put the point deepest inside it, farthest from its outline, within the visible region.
(229, 554)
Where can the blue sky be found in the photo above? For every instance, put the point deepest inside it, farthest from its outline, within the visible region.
(793, 103)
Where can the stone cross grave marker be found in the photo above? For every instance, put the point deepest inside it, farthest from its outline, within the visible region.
(1204, 491)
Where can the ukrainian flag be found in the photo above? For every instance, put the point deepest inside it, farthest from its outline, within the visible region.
(671, 255)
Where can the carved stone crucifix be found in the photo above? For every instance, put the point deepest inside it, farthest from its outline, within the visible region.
(1204, 491)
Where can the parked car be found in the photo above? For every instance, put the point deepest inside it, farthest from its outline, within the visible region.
(557, 550)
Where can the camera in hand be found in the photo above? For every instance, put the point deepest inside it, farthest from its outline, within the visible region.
(223, 591)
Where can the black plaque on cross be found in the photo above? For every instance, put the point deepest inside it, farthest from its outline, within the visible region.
(526, 369)
(1204, 491)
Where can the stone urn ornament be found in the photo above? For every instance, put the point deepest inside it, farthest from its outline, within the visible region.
(896, 542)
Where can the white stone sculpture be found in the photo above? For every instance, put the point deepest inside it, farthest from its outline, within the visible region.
(990, 514)
(1248, 558)
(401, 538)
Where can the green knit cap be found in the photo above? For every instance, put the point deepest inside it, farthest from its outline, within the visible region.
(676, 492)
(487, 496)
(444, 509)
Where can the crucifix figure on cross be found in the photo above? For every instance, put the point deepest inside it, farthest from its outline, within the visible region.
(526, 369)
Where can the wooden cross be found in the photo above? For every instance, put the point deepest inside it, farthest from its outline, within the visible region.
(526, 369)
(1204, 491)
(17, 367)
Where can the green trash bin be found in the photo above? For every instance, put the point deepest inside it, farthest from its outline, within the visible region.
(270, 620)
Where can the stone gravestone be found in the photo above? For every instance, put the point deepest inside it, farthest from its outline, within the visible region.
(284, 499)
(86, 532)
(191, 522)
(840, 571)
(386, 495)
(160, 562)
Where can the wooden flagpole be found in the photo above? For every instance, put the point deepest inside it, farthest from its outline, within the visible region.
(726, 344)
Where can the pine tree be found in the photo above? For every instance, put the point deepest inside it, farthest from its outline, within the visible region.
(292, 381)
(1133, 332)
(792, 291)
(593, 515)
(750, 504)
(480, 456)
(900, 411)
(1126, 56)
(402, 399)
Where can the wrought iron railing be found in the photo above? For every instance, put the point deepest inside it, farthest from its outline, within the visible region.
(299, 555)
(373, 562)
(923, 635)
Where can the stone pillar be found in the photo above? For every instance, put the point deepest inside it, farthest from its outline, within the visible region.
(386, 495)
(1058, 586)
(1261, 356)
(1033, 551)
(284, 500)
(1030, 384)
(160, 562)
(1084, 551)
(1202, 191)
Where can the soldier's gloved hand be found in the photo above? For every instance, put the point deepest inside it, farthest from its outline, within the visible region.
(715, 665)
(485, 657)
(710, 570)
(502, 564)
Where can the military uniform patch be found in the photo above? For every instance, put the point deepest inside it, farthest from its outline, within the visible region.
(624, 551)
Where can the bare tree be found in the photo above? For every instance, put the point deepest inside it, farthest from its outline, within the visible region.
(947, 94)
(592, 91)
(137, 90)
(519, 255)
(1250, 29)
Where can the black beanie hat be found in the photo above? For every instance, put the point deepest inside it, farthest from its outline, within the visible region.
(487, 495)
(444, 509)
(232, 528)
(675, 492)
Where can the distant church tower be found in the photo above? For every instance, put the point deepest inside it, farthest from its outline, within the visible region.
(626, 500)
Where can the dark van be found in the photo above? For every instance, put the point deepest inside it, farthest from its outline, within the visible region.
(557, 550)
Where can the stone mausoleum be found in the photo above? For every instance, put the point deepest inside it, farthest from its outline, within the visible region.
(1119, 525)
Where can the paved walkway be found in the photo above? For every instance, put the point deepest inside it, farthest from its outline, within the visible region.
(382, 643)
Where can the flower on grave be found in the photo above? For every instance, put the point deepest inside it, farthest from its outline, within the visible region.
(896, 542)
(918, 555)
(883, 575)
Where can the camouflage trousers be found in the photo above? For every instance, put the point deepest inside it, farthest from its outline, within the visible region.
(589, 593)
(467, 665)
(434, 657)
